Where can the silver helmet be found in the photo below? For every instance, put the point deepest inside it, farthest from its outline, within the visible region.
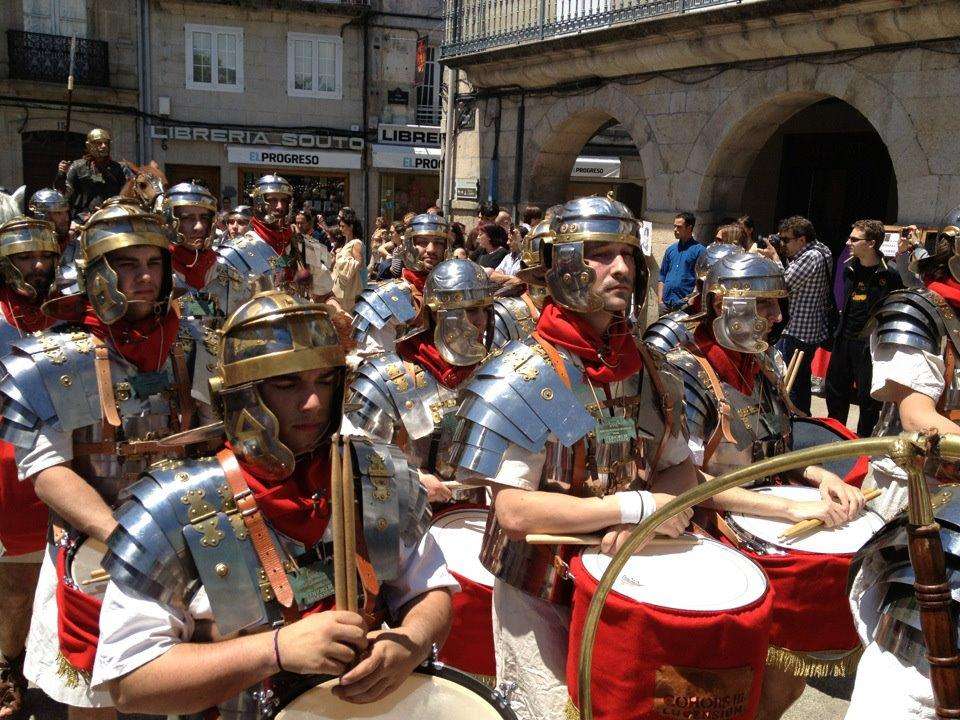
(535, 250)
(740, 280)
(271, 334)
(270, 185)
(453, 287)
(46, 201)
(590, 219)
(189, 194)
(24, 235)
(712, 254)
(425, 227)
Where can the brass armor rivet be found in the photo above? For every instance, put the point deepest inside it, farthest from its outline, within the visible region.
(222, 569)
(394, 298)
(584, 278)
(381, 524)
(182, 476)
(567, 278)
(408, 404)
(546, 394)
(66, 380)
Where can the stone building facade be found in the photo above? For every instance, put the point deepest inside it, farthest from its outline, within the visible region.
(727, 106)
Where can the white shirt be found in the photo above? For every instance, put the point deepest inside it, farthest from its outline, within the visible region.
(135, 629)
(509, 265)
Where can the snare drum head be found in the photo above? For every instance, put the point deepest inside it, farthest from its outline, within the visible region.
(706, 577)
(85, 560)
(843, 540)
(421, 695)
(459, 533)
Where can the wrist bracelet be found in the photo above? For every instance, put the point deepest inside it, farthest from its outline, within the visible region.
(276, 649)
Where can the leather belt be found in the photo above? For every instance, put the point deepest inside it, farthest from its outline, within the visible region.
(257, 527)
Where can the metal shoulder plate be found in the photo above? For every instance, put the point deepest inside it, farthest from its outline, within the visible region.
(393, 502)
(908, 318)
(48, 379)
(8, 335)
(669, 332)
(516, 397)
(386, 390)
(389, 302)
(180, 528)
(512, 320)
(700, 405)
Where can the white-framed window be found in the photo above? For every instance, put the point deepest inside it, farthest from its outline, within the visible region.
(314, 66)
(56, 17)
(214, 58)
(428, 91)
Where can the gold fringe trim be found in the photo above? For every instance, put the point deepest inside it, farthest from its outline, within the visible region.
(489, 680)
(813, 665)
(570, 712)
(71, 676)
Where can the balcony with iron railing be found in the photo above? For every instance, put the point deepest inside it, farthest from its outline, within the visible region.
(46, 58)
(475, 26)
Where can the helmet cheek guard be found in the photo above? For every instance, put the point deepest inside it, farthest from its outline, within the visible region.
(740, 326)
(452, 289)
(570, 280)
(457, 339)
(254, 431)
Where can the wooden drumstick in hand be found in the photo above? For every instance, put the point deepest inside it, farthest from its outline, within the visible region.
(805, 526)
(591, 540)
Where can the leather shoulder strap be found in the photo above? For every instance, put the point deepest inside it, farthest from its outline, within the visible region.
(722, 431)
(257, 527)
(183, 386)
(555, 359)
(667, 406)
(101, 368)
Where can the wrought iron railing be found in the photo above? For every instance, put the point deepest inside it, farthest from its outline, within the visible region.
(46, 58)
(474, 26)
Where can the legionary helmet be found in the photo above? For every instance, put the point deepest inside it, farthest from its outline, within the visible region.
(113, 227)
(452, 288)
(271, 334)
(950, 231)
(535, 250)
(189, 194)
(94, 138)
(740, 280)
(46, 201)
(264, 187)
(712, 254)
(590, 219)
(240, 212)
(424, 225)
(23, 235)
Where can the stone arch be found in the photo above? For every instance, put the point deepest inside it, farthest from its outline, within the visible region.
(557, 137)
(750, 115)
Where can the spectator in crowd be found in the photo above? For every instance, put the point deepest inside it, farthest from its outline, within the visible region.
(307, 226)
(910, 250)
(532, 214)
(677, 276)
(380, 231)
(749, 228)
(458, 230)
(492, 240)
(868, 279)
(472, 246)
(434, 210)
(460, 253)
(732, 234)
(349, 266)
(488, 211)
(396, 259)
(511, 261)
(504, 220)
(808, 279)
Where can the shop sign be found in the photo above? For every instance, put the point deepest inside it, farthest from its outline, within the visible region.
(278, 157)
(467, 189)
(398, 97)
(406, 158)
(318, 141)
(598, 168)
(424, 135)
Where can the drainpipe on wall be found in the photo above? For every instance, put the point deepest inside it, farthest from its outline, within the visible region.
(492, 188)
(143, 80)
(450, 144)
(365, 157)
(518, 166)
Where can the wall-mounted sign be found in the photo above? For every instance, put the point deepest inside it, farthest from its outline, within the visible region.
(398, 97)
(292, 157)
(425, 135)
(599, 168)
(406, 158)
(319, 141)
(467, 189)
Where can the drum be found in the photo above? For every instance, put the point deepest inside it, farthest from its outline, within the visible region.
(432, 691)
(684, 633)
(469, 647)
(812, 633)
(809, 432)
(82, 570)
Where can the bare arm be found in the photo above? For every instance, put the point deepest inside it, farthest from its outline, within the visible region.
(660, 291)
(919, 412)
(73, 499)
(521, 512)
(192, 677)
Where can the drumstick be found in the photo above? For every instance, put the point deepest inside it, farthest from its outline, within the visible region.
(588, 540)
(805, 526)
(349, 528)
(796, 370)
(790, 366)
(95, 579)
(454, 485)
(336, 517)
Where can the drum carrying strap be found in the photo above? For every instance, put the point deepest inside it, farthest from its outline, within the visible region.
(101, 368)
(722, 431)
(183, 385)
(666, 401)
(259, 535)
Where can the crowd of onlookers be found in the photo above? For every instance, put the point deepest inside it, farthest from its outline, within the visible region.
(829, 300)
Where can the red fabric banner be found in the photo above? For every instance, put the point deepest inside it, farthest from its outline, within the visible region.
(78, 620)
(653, 663)
(23, 517)
(469, 646)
